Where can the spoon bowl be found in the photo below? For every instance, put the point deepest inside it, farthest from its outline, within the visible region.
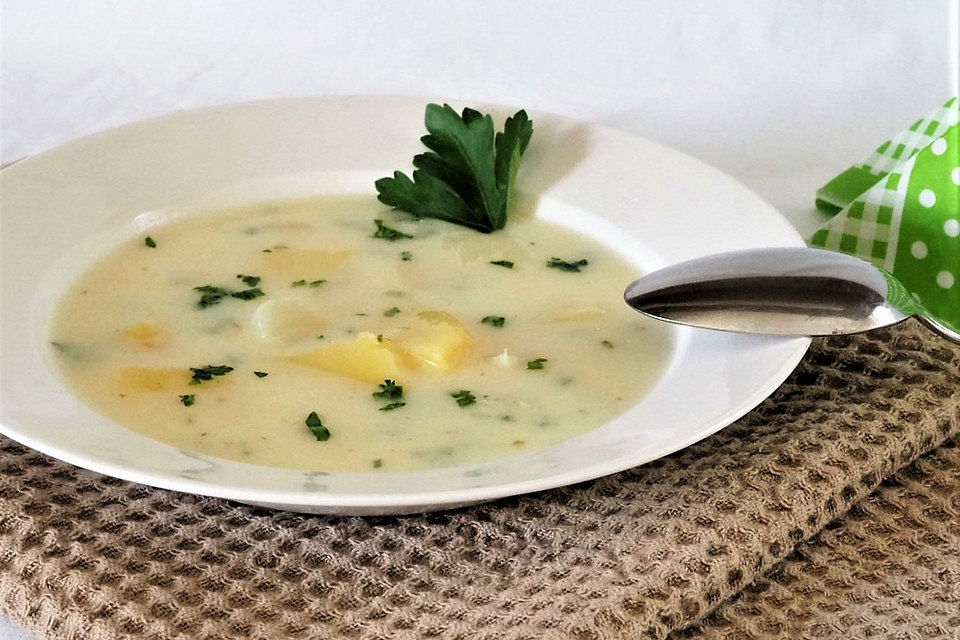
(793, 291)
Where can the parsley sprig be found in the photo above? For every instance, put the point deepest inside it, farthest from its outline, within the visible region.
(468, 173)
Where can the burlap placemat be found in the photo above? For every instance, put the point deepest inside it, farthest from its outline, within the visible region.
(639, 554)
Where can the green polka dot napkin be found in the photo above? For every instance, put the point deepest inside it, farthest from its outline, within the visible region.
(900, 209)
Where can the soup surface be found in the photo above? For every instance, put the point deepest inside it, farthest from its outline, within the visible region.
(278, 334)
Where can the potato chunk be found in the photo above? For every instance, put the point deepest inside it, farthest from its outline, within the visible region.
(365, 359)
(145, 335)
(434, 340)
(283, 322)
(309, 264)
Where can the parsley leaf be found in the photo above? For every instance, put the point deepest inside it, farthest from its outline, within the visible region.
(150, 242)
(188, 400)
(201, 374)
(210, 295)
(502, 263)
(494, 321)
(536, 364)
(563, 265)
(247, 294)
(392, 406)
(320, 432)
(388, 233)
(389, 389)
(250, 281)
(467, 174)
(463, 397)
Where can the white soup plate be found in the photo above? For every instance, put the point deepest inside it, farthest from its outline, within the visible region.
(64, 208)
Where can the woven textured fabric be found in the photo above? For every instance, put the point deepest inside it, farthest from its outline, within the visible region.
(888, 568)
(639, 554)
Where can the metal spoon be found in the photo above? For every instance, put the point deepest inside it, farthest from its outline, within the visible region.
(785, 291)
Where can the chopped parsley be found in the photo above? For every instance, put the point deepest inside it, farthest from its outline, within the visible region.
(389, 390)
(261, 374)
(392, 406)
(406, 256)
(188, 400)
(377, 463)
(320, 432)
(536, 364)
(494, 321)
(563, 265)
(202, 374)
(386, 233)
(250, 281)
(607, 344)
(150, 242)
(392, 311)
(463, 397)
(304, 283)
(502, 263)
(467, 175)
(247, 294)
(211, 295)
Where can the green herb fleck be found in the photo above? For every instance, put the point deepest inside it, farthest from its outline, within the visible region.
(202, 374)
(406, 256)
(210, 295)
(392, 406)
(502, 263)
(468, 173)
(261, 374)
(150, 242)
(394, 293)
(392, 311)
(188, 400)
(563, 265)
(494, 321)
(316, 427)
(247, 294)
(379, 337)
(267, 251)
(536, 364)
(389, 390)
(607, 344)
(377, 463)
(386, 233)
(298, 283)
(250, 281)
(316, 283)
(463, 397)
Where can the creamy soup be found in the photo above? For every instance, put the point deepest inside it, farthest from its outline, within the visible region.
(307, 335)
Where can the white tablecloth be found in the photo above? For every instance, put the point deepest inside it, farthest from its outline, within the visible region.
(780, 93)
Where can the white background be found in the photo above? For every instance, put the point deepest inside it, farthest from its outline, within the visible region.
(782, 94)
